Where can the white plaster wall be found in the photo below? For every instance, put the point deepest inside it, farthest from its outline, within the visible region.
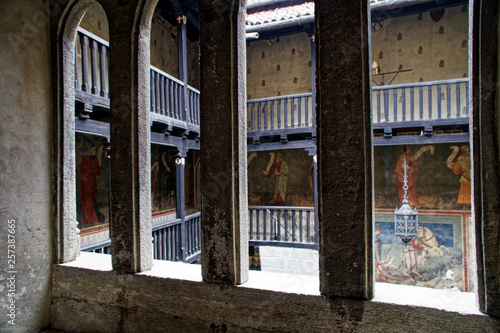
(289, 260)
(25, 175)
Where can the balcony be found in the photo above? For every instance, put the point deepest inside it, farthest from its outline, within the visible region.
(175, 106)
(179, 240)
(427, 109)
(281, 116)
(424, 112)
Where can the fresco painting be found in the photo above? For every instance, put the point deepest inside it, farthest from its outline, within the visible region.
(163, 182)
(280, 178)
(192, 181)
(436, 258)
(439, 187)
(92, 182)
(438, 176)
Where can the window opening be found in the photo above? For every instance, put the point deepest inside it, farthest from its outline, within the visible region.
(175, 131)
(281, 133)
(92, 190)
(420, 104)
(92, 130)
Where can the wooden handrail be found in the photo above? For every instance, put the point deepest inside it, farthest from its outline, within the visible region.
(422, 84)
(274, 98)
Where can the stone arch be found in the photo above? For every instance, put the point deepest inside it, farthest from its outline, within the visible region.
(66, 234)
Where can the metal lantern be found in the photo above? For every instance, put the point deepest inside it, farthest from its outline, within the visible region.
(405, 218)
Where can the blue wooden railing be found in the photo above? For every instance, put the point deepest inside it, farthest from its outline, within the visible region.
(169, 237)
(170, 98)
(167, 98)
(91, 64)
(168, 240)
(278, 113)
(435, 101)
(268, 225)
(283, 226)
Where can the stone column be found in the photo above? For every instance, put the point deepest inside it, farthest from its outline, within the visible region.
(344, 149)
(485, 127)
(224, 252)
(130, 226)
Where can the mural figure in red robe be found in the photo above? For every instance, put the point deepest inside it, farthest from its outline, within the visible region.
(411, 173)
(90, 168)
(462, 167)
(279, 169)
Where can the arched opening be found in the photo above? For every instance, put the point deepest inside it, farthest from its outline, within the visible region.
(92, 137)
(73, 79)
(175, 119)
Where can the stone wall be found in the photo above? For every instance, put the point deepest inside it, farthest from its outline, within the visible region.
(103, 301)
(25, 176)
(83, 299)
(96, 21)
(164, 49)
(434, 50)
(279, 66)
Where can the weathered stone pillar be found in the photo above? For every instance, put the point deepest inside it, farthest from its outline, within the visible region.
(344, 149)
(224, 252)
(130, 227)
(64, 22)
(486, 151)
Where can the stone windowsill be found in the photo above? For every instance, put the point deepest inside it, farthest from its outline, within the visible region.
(448, 300)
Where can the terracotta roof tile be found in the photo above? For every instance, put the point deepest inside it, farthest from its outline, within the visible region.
(281, 14)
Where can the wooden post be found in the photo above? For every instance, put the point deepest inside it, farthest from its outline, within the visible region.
(103, 71)
(180, 194)
(183, 70)
(313, 80)
(84, 41)
(93, 66)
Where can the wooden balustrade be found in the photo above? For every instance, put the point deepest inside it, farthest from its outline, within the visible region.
(166, 92)
(91, 64)
(167, 240)
(282, 112)
(423, 101)
(193, 235)
(268, 225)
(194, 106)
(283, 226)
(416, 102)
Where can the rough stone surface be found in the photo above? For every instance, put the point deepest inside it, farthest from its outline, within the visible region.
(344, 149)
(131, 243)
(224, 253)
(139, 303)
(486, 152)
(25, 176)
(105, 301)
